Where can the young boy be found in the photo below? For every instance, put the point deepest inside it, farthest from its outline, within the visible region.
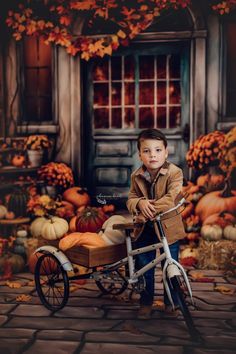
(154, 187)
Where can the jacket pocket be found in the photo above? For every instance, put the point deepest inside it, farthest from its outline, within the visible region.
(168, 223)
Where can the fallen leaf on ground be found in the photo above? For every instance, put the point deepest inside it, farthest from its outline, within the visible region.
(224, 290)
(200, 277)
(13, 284)
(158, 303)
(23, 298)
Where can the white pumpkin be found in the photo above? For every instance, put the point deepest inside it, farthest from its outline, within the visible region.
(3, 211)
(230, 232)
(54, 228)
(36, 226)
(21, 233)
(211, 232)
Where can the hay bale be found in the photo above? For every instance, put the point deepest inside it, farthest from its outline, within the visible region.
(215, 254)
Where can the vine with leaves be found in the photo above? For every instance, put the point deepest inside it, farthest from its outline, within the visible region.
(54, 21)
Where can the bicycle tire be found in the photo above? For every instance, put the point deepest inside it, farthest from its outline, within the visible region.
(48, 272)
(109, 283)
(180, 296)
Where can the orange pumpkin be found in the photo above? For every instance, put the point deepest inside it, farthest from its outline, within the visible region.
(66, 210)
(77, 196)
(188, 210)
(109, 208)
(215, 202)
(46, 266)
(18, 160)
(90, 219)
(203, 180)
(72, 224)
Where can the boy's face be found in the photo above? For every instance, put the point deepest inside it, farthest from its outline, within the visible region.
(153, 154)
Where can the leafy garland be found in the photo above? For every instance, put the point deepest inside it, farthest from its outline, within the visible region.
(54, 21)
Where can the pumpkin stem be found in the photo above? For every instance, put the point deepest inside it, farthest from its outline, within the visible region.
(227, 188)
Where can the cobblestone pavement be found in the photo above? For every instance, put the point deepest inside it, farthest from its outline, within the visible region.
(92, 323)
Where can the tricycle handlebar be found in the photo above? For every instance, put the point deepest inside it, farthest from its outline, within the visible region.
(181, 202)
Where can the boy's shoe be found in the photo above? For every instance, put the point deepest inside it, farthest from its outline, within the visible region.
(144, 312)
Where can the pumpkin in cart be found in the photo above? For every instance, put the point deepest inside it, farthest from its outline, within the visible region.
(90, 219)
(77, 196)
(17, 202)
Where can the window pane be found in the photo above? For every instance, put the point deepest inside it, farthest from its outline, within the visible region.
(31, 109)
(101, 94)
(146, 117)
(44, 82)
(175, 117)
(231, 70)
(30, 51)
(129, 93)
(129, 68)
(31, 81)
(161, 117)
(146, 67)
(100, 71)
(45, 109)
(116, 121)
(129, 117)
(116, 68)
(161, 66)
(101, 118)
(146, 92)
(174, 67)
(174, 92)
(161, 92)
(116, 94)
(44, 53)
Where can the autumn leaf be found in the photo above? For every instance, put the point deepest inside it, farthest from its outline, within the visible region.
(13, 285)
(65, 20)
(224, 290)
(83, 5)
(85, 55)
(17, 36)
(108, 50)
(121, 34)
(23, 298)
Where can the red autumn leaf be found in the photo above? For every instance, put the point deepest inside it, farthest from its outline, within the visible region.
(65, 20)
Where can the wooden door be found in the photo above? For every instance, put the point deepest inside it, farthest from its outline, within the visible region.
(136, 89)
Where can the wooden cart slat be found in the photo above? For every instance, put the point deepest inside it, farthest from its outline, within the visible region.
(91, 257)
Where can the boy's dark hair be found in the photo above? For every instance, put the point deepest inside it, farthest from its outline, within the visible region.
(154, 134)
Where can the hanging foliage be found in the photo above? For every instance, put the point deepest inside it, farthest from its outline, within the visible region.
(54, 20)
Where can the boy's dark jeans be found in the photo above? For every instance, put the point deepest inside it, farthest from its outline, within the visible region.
(148, 237)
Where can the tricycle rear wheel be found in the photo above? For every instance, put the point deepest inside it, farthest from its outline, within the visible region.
(52, 282)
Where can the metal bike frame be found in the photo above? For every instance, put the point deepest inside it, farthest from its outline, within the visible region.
(171, 267)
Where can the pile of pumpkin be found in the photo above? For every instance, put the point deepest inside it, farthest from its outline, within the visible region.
(73, 215)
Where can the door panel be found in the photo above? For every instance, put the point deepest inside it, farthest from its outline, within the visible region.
(136, 89)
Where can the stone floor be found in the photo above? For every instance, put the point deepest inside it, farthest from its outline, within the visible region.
(92, 323)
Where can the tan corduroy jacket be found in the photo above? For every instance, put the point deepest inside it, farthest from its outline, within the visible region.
(167, 186)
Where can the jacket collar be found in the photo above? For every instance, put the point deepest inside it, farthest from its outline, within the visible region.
(142, 171)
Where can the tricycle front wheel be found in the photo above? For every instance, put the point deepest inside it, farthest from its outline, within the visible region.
(52, 283)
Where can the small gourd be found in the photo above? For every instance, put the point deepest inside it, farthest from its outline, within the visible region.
(3, 211)
(211, 232)
(230, 232)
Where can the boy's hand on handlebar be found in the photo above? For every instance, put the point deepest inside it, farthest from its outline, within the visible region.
(147, 208)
